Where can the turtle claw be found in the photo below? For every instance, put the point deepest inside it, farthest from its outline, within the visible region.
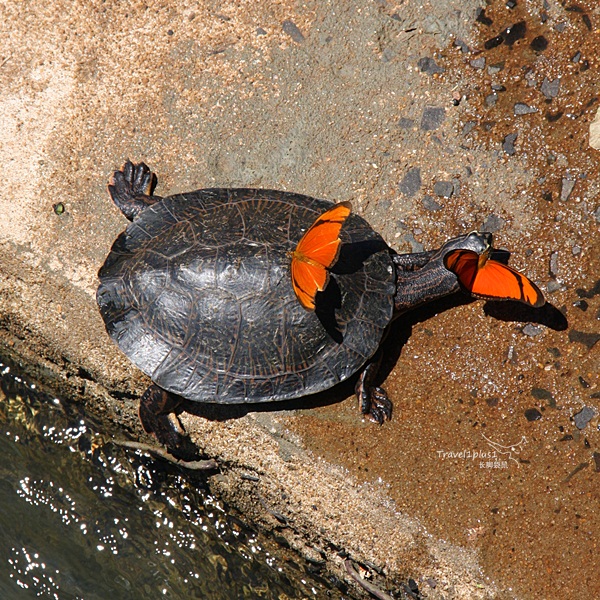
(381, 406)
(132, 187)
(157, 415)
(374, 402)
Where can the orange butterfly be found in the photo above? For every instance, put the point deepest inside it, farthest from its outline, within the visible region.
(487, 278)
(316, 253)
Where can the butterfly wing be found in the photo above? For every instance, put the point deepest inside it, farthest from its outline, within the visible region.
(307, 280)
(492, 279)
(317, 252)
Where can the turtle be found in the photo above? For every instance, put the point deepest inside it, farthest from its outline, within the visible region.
(196, 291)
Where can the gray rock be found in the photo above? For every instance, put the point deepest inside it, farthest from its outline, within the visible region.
(549, 88)
(524, 109)
(583, 417)
(508, 144)
(428, 65)
(478, 63)
(532, 330)
(292, 30)
(405, 123)
(597, 214)
(491, 99)
(493, 223)
(430, 204)
(554, 264)
(443, 189)
(433, 117)
(566, 188)
(411, 183)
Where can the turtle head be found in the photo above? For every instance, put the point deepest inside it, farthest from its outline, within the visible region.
(476, 241)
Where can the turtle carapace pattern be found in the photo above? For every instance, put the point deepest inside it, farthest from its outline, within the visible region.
(197, 292)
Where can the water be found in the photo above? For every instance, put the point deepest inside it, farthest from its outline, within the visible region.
(83, 518)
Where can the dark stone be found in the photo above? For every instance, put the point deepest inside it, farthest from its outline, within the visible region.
(508, 143)
(543, 394)
(585, 338)
(533, 414)
(428, 65)
(433, 117)
(493, 42)
(411, 183)
(430, 204)
(404, 123)
(481, 18)
(292, 30)
(514, 32)
(443, 189)
(581, 305)
(539, 44)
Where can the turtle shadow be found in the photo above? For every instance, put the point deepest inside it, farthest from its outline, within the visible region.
(351, 259)
(398, 334)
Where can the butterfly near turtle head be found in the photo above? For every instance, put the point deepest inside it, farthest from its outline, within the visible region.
(316, 252)
(486, 278)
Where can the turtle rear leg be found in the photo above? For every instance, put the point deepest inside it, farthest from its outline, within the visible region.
(157, 415)
(372, 399)
(132, 187)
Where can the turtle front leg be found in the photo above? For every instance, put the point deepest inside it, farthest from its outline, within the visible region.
(132, 189)
(157, 416)
(372, 399)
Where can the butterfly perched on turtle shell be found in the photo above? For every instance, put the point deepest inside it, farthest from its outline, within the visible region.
(316, 252)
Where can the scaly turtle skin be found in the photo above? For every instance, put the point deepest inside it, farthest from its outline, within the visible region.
(197, 293)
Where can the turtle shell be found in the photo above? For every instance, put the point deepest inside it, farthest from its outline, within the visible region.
(197, 293)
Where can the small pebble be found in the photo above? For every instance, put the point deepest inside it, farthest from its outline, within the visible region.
(493, 43)
(576, 57)
(493, 69)
(533, 414)
(567, 187)
(443, 189)
(260, 31)
(411, 182)
(493, 223)
(462, 45)
(560, 27)
(481, 18)
(581, 305)
(553, 286)
(429, 66)
(514, 32)
(433, 117)
(554, 264)
(523, 109)
(292, 30)
(430, 204)
(491, 99)
(404, 123)
(539, 44)
(498, 88)
(511, 4)
(576, 250)
(468, 127)
(597, 214)
(532, 330)
(415, 246)
(583, 417)
(508, 143)
(478, 63)
(543, 394)
(549, 88)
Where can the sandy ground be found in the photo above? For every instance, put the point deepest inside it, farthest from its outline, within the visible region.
(409, 110)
